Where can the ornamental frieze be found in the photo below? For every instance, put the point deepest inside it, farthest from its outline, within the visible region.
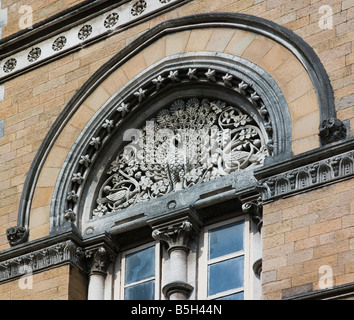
(312, 175)
(100, 26)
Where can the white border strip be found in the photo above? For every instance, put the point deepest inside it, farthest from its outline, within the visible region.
(127, 14)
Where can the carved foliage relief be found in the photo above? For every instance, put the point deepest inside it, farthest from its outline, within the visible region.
(189, 142)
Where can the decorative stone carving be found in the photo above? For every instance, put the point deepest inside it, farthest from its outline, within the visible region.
(59, 43)
(99, 25)
(332, 130)
(70, 215)
(16, 235)
(98, 260)
(111, 20)
(176, 235)
(50, 256)
(85, 32)
(34, 54)
(10, 65)
(191, 142)
(85, 160)
(312, 175)
(138, 8)
(96, 142)
(254, 209)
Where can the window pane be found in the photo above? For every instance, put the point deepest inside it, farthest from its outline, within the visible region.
(225, 240)
(225, 275)
(142, 291)
(140, 265)
(235, 296)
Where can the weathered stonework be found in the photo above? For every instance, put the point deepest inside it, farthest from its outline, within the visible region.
(58, 77)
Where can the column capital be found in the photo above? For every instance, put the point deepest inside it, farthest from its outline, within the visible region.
(176, 235)
(176, 228)
(98, 259)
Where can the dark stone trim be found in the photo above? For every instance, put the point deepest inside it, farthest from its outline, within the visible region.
(284, 36)
(332, 130)
(53, 251)
(336, 293)
(304, 159)
(62, 22)
(59, 22)
(309, 177)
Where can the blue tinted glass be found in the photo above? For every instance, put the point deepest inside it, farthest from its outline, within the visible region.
(140, 265)
(142, 291)
(235, 296)
(225, 240)
(225, 275)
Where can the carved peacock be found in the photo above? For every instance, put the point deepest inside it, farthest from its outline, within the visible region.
(177, 161)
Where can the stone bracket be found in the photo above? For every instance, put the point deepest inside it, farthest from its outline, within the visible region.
(17, 235)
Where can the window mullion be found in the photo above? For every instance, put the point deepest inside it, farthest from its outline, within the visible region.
(226, 257)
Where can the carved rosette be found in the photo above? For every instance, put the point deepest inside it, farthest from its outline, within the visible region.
(10, 65)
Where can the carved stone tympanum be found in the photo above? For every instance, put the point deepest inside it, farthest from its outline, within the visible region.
(190, 142)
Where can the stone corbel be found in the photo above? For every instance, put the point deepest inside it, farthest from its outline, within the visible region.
(332, 130)
(16, 235)
(254, 209)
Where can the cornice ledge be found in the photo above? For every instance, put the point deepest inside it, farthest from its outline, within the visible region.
(303, 173)
(334, 293)
(39, 257)
(273, 167)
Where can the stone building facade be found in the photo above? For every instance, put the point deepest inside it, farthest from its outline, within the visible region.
(177, 149)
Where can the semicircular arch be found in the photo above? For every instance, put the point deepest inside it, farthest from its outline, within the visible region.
(277, 57)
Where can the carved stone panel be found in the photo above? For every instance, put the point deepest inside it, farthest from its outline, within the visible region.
(187, 143)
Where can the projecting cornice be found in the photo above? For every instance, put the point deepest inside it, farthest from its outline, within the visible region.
(309, 171)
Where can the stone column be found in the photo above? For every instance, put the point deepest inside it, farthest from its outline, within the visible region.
(254, 209)
(98, 259)
(176, 236)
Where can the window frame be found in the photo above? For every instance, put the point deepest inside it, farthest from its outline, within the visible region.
(204, 261)
(156, 277)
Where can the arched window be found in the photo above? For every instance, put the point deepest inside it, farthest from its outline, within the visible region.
(163, 171)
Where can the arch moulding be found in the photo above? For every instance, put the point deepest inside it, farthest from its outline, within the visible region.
(278, 67)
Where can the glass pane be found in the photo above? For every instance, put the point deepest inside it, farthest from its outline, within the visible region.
(142, 291)
(140, 265)
(225, 240)
(235, 296)
(225, 275)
